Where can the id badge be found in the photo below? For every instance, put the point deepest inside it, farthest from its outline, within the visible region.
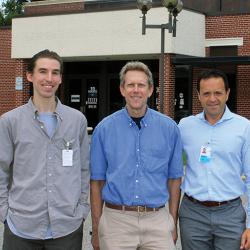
(67, 157)
(205, 154)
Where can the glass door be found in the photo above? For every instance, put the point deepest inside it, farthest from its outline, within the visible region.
(92, 101)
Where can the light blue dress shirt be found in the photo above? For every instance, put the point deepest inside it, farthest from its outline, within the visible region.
(220, 178)
(136, 163)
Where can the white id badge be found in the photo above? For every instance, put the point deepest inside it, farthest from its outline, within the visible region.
(205, 154)
(67, 157)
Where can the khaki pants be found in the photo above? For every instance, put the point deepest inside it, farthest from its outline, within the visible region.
(125, 230)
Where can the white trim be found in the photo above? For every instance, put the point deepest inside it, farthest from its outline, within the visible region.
(49, 2)
(233, 41)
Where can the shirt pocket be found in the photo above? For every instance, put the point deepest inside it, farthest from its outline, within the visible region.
(155, 158)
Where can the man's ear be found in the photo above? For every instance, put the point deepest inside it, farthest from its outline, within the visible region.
(122, 89)
(151, 90)
(228, 92)
(29, 76)
(198, 94)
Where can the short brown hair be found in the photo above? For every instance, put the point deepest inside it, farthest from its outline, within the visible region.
(44, 54)
(136, 66)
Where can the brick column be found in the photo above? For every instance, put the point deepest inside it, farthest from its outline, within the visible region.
(10, 98)
(7, 94)
(196, 106)
(243, 91)
(21, 96)
(169, 86)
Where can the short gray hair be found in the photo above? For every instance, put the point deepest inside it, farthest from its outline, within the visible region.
(135, 66)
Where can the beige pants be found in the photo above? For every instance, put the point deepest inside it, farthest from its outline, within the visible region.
(125, 230)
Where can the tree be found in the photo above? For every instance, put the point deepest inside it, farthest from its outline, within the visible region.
(10, 9)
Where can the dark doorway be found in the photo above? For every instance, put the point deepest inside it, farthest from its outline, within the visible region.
(83, 95)
(183, 92)
(93, 87)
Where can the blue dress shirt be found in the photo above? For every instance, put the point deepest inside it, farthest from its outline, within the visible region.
(220, 178)
(136, 163)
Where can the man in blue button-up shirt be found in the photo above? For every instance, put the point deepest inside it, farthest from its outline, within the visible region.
(136, 168)
(217, 145)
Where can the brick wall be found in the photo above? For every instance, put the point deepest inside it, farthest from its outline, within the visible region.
(243, 91)
(196, 106)
(169, 86)
(54, 8)
(9, 70)
(235, 26)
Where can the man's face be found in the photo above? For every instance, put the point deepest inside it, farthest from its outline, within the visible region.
(213, 97)
(46, 77)
(136, 90)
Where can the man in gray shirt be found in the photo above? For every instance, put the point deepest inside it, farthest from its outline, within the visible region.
(44, 166)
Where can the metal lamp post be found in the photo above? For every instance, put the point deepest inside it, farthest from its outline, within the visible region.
(174, 8)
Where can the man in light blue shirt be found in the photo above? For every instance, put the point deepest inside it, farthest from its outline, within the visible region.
(217, 146)
(136, 168)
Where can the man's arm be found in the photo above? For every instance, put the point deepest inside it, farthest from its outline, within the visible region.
(174, 201)
(85, 172)
(245, 239)
(6, 157)
(96, 209)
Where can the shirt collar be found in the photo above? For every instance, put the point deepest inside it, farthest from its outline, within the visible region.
(144, 120)
(226, 116)
(58, 112)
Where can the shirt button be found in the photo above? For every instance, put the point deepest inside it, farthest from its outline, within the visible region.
(137, 165)
(41, 126)
(50, 174)
(136, 181)
(50, 157)
(138, 149)
(50, 191)
(136, 196)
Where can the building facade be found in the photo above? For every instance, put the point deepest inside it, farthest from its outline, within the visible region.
(96, 38)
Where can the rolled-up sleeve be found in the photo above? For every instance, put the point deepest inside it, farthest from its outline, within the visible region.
(98, 162)
(176, 161)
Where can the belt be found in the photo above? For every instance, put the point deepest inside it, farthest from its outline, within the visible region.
(133, 208)
(210, 203)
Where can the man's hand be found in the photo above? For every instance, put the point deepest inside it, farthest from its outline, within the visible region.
(96, 210)
(245, 240)
(175, 234)
(95, 241)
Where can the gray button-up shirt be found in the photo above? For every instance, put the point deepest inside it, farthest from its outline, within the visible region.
(35, 188)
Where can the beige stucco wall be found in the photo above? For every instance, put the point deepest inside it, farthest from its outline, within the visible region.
(106, 35)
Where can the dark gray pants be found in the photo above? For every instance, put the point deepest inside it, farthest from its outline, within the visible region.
(72, 241)
(211, 228)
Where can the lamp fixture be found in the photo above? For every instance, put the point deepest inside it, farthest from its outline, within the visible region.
(174, 8)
